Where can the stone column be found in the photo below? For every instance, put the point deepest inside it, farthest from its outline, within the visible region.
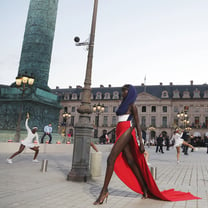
(38, 41)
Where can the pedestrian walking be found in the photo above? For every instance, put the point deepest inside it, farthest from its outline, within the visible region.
(160, 144)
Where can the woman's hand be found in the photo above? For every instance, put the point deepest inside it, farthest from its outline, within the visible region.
(141, 147)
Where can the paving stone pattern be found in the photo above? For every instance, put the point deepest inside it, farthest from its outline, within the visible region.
(23, 185)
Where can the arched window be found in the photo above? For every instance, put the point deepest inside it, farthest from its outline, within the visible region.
(107, 95)
(196, 93)
(115, 95)
(186, 94)
(176, 94)
(165, 94)
(74, 96)
(206, 94)
(98, 96)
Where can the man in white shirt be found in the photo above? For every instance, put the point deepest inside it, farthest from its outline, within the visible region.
(47, 131)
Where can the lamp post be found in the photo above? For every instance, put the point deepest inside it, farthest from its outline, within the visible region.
(65, 116)
(183, 118)
(83, 129)
(22, 83)
(98, 109)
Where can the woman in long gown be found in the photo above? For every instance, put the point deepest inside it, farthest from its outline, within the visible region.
(127, 159)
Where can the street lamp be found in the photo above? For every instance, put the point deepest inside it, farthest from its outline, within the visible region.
(98, 109)
(65, 116)
(183, 118)
(23, 83)
(83, 129)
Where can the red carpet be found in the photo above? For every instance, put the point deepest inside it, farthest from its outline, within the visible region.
(124, 172)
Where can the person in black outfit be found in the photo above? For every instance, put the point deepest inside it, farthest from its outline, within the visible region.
(160, 144)
(206, 142)
(167, 142)
(185, 136)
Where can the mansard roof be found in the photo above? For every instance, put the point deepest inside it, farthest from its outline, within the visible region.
(155, 90)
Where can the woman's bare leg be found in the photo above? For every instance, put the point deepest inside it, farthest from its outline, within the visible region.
(116, 150)
(36, 149)
(132, 164)
(178, 153)
(21, 148)
(187, 144)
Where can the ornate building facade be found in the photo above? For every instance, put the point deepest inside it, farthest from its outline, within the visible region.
(158, 107)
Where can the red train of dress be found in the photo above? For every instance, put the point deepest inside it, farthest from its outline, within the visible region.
(126, 175)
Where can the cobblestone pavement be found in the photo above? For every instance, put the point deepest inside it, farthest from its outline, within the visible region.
(23, 185)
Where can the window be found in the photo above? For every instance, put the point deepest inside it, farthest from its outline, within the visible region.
(98, 96)
(206, 122)
(165, 109)
(115, 95)
(72, 120)
(196, 122)
(74, 96)
(80, 95)
(106, 109)
(197, 109)
(114, 121)
(186, 94)
(143, 121)
(105, 121)
(153, 108)
(176, 94)
(107, 95)
(196, 93)
(73, 109)
(186, 108)
(66, 96)
(175, 109)
(165, 94)
(164, 121)
(144, 109)
(153, 121)
(114, 108)
(206, 94)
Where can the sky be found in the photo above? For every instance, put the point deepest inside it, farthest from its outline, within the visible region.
(162, 40)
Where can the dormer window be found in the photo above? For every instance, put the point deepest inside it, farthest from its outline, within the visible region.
(107, 95)
(80, 95)
(115, 95)
(98, 96)
(165, 94)
(196, 93)
(66, 96)
(176, 94)
(206, 94)
(74, 96)
(186, 94)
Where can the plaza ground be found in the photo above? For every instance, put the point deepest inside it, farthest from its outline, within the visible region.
(23, 185)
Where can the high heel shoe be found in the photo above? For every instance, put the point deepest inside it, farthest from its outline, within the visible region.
(104, 198)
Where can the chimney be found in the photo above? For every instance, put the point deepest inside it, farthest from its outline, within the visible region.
(57, 87)
(191, 82)
(171, 84)
(101, 86)
(79, 86)
(142, 84)
(109, 85)
(161, 83)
